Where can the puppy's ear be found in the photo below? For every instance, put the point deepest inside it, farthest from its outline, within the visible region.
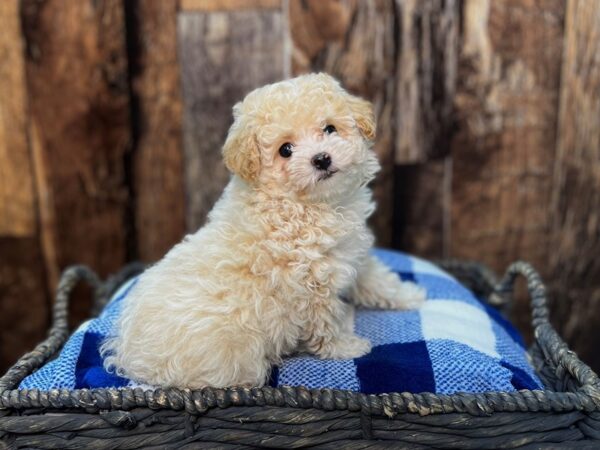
(241, 153)
(362, 111)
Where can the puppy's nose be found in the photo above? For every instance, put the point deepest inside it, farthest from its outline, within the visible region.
(321, 161)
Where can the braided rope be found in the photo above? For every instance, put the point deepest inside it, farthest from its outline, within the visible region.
(585, 397)
(554, 349)
(59, 331)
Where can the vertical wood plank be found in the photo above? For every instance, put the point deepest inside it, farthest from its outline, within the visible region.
(224, 55)
(426, 78)
(159, 200)
(24, 311)
(17, 200)
(506, 105)
(76, 70)
(574, 263)
(420, 208)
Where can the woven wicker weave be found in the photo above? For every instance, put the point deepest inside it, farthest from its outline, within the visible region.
(564, 415)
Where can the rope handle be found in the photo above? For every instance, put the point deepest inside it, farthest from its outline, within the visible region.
(535, 288)
(553, 347)
(59, 330)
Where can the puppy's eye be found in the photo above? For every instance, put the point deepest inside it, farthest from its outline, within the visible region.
(286, 150)
(329, 129)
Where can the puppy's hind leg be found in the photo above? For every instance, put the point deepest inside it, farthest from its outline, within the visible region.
(225, 356)
(378, 287)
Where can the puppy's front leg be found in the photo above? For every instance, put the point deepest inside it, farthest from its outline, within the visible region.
(329, 334)
(378, 287)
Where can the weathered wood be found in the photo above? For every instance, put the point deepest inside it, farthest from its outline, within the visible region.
(76, 73)
(426, 77)
(159, 199)
(503, 152)
(421, 205)
(509, 73)
(315, 25)
(17, 198)
(24, 311)
(427, 39)
(224, 55)
(228, 5)
(24, 303)
(574, 264)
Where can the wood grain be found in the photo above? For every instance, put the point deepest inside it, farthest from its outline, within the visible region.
(224, 55)
(228, 5)
(24, 301)
(17, 198)
(315, 27)
(426, 74)
(503, 151)
(76, 72)
(24, 304)
(157, 160)
(573, 256)
(421, 206)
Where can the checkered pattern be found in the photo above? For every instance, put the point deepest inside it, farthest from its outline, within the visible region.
(454, 343)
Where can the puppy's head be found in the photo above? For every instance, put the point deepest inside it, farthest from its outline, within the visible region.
(305, 136)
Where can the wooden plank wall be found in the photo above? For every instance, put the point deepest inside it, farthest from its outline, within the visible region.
(23, 295)
(573, 267)
(76, 51)
(503, 152)
(155, 164)
(112, 115)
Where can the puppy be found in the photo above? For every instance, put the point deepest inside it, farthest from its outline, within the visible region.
(287, 240)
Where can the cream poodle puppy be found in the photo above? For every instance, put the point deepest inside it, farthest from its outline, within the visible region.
(286, 242)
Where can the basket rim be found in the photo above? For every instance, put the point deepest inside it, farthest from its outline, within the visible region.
(554, 351)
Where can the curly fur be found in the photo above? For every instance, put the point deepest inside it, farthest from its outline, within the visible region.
(265, 276)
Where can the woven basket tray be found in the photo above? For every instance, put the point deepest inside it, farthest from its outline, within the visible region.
(564, 415)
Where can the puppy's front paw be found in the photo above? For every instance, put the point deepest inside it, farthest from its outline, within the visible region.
(345, 347)
(378, 287)
(408, 296)
(387, 291)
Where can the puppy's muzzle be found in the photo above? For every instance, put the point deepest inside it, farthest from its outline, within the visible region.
(321, 161)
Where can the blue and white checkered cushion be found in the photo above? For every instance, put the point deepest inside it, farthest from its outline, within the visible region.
(454, 343)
